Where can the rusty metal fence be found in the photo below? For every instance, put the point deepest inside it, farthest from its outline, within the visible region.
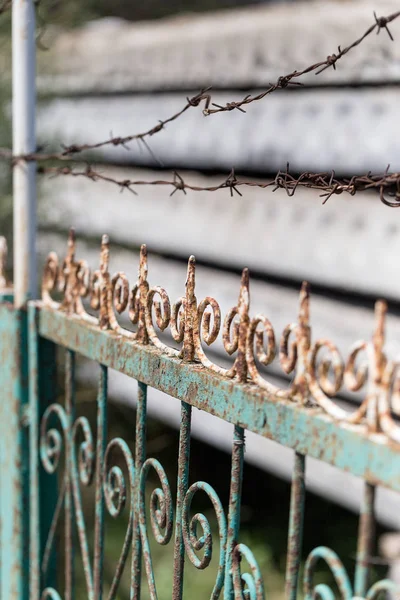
(49, 454)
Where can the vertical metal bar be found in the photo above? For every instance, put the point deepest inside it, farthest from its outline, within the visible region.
(24, 189)
(296, 523)
(48, 500)
(366, 533)
(43, 487)
(182, 487)
(140, 457)
(14, 458)
(34, 511)
(234, 506)
(100, 451)
(69, 502)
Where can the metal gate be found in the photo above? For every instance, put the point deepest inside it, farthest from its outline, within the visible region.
(49, 454)
(38, 431)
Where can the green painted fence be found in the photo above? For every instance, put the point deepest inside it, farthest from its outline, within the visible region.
(51, 456)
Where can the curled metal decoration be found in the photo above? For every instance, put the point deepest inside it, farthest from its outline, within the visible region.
(161, 517)
(203, 543)
(51, 440)
(117, 485)
(318, 370)
(50, 594)
(337, 569)
(318, 374)
(78, 442)
(82, 471)
(383, 586)
(247, 586)
(115, 493)
(322, 591)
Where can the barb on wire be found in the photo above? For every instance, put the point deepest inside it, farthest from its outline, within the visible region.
(287, 80)
(387, 184)
(211, 107)
(71, 150)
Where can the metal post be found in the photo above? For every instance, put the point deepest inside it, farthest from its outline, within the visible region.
(24, 188)
(14, 458)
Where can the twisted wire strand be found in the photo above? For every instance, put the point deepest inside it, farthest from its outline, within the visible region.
(327, 183)
(386, 184)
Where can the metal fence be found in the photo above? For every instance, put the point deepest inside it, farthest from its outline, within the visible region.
(49, 453)
(44, 440)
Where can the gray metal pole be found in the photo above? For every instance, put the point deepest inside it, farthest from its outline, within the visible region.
(24, 185)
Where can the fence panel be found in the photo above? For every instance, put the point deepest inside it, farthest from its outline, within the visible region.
(305, 417)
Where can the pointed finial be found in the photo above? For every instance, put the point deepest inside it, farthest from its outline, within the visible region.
(245, 281)
(191, 274)
(304, 312)
(143, 267)
(71, 243)
(244, 296)
(380, 318)
(104, 253)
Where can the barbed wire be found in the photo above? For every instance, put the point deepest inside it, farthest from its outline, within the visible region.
(319, 67)
(73, 149)
(387, 184)
(282, 82)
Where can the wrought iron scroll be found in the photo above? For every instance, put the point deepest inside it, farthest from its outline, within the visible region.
(251, 341)
(90, 463)
(318, 370)
(68, 439)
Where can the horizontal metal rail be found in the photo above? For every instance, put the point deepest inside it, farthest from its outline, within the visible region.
(307, 430)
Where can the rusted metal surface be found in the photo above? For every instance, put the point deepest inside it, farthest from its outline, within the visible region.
(304, 428)
(140, 457)
(387, 184)
(182, 488)
(204, 97)
(366, 536)
(42, 489)
(234, 509)
(305, 417)
(14, 455)
(68, 417)
(319, 370)
(296, 519)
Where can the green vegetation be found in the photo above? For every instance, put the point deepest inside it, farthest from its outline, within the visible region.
(5, 174)
(75, 12)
